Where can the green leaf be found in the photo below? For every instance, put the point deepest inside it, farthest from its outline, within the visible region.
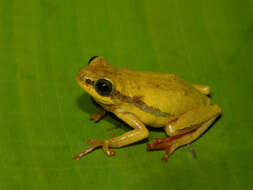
(44, 115)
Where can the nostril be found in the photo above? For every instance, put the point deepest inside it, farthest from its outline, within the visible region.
(88, 81)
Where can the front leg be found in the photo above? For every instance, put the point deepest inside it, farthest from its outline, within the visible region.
(138, 133)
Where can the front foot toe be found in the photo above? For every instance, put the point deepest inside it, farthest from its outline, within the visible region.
(106, 149)
(95, 118)
(95, 144)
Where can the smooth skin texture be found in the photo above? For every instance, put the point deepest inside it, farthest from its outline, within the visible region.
(139, 98)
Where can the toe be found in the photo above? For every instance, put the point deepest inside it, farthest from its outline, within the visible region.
(111, 153)
(149, 146)
(165, 159)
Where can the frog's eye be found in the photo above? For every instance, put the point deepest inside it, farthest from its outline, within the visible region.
(104, 87)
(91, 59)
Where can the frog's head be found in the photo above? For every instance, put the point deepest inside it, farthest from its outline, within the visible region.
(98, 80)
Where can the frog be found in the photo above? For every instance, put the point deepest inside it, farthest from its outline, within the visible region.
(144, 100)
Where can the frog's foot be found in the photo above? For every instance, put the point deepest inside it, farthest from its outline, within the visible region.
(95, 144)
(168, 147)
(98, 116)
(169, 144)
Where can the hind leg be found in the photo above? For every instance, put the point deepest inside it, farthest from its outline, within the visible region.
(186, 129)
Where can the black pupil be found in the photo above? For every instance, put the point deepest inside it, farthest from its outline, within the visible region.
(103, 87)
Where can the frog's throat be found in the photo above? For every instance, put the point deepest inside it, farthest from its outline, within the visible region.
(137, 102)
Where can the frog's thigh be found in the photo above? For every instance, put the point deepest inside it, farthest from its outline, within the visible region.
(187, 138)
(139, 132)
(192, 119)
(204, 89)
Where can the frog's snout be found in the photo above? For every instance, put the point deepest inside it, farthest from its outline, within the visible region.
(79, 76)
(82, 80)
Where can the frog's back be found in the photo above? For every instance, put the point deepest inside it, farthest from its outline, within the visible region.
(164, 92)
